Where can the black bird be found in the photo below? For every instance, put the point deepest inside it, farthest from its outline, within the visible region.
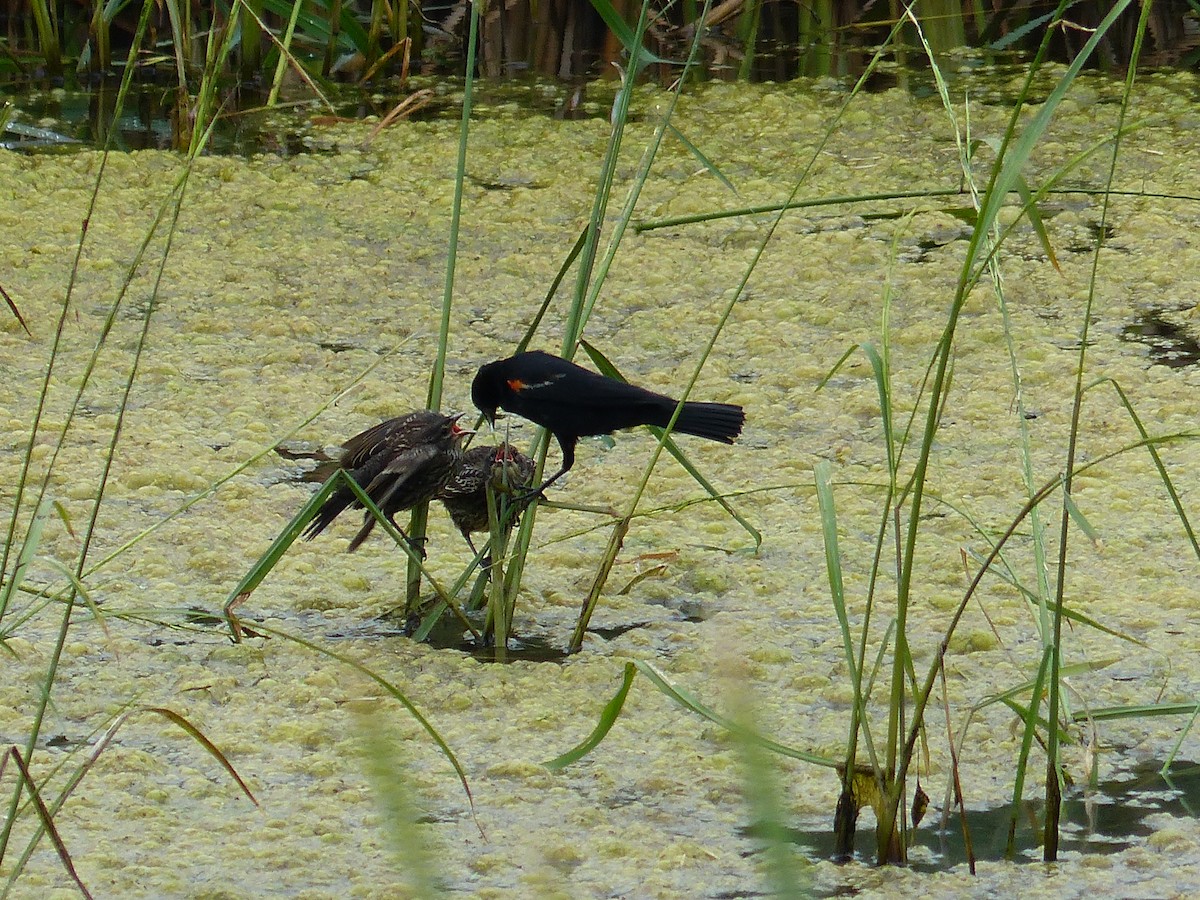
(572, 402)
(399, 463)
(465, 494)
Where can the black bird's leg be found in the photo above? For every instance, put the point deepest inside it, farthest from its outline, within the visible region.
(567, 443)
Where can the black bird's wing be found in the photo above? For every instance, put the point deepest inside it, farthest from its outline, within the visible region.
(581, 402)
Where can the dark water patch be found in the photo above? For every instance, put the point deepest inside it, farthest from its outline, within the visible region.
(202, 618)
(1096, 233)
(511, 183)
(1169, 343)
(1107, 819)
(56, 119)
(449, 634)
(339, 346)
(527, 649)
(615, 631)
(520, 649)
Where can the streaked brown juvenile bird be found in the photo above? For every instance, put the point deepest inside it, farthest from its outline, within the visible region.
(399, 463)
(572, 402)
(465, 494)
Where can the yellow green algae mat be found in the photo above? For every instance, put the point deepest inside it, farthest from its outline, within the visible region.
(312, 285)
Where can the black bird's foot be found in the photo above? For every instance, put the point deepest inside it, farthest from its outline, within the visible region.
(523, 499)
(418, 545)
(540, 490)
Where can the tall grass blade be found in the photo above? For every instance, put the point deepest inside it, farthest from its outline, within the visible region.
(286, 56)
(198, 736)
(501, 606)
(1030, 208)
(60, 638)
(251, 44)
(220, 45)
(1163, 476)
(285, 49)
(1109, 713)
(56, 344)
(1028, 732)
(587, 288)
(97, 53)
(844, 824)
(12, 306)
(1080, 519)
(749, 22)
(792, 203)
(630, 39)
(420, 513)
(689, 702)
(535, 323)
(181, 44)
(992, 241)
(763, 795)
(46, 821)
(270, 558)
(46, 20)
(293, 529)
(398, 695)
(28, 550)
(606, 367)
(393, 787)
(1054, 775)
(708, 164)
(608, 717)
(1015, 152)
(98, 749)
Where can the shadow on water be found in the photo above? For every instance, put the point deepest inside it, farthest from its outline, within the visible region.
(449, 634)
(1169, 343)
(1108, 819)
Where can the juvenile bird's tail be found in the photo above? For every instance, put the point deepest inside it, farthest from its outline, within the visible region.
(330, 510)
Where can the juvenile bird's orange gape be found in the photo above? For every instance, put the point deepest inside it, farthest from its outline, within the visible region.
(399, 463)
(573, 402)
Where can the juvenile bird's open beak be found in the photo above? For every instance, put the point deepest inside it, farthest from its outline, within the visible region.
(458, 429)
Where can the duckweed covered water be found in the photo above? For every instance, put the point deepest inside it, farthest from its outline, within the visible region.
(293, 282)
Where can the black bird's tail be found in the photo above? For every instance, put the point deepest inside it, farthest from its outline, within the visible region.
(715, 421)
